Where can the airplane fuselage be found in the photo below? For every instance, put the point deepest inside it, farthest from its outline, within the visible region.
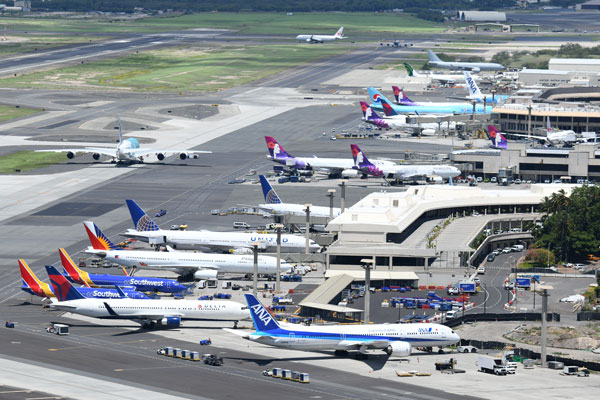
(298, 210)
(458, 108)
(468, 66)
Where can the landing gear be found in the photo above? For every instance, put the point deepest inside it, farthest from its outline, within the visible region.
(235, 324)
(341, 353)
(441, 350)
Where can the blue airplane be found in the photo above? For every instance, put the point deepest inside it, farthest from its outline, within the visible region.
(140, 283)
(425, 108)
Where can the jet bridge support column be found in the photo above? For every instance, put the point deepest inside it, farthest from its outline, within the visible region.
(367, 264)
(255, 274)
(307, 232)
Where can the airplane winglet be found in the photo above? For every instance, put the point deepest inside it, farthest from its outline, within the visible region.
(110, 310)
(120, 291)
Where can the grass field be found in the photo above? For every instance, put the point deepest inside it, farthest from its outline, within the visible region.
(178, 69)
(31, 43)
(29, 160)
(249, 23)
(12, 112)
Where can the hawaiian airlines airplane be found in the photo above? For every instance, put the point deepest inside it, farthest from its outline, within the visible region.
(335, 167)
(168, 313)
(554, 137)
(497, 138)
(140, 283)
(148, 231)
(321, 38)
(398, 121)
(274, 205)
(191, 265)
(425, 108)
(435, 61)
(34, 286)
(434, 173)
(127, 151)
(394, 339)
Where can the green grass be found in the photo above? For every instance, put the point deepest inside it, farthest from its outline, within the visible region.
(29, 44)
(178, 69)
(28, 160)
(12, 112)
(248, 23)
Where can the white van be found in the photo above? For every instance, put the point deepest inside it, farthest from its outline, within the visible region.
(451, 314)
(241, 225)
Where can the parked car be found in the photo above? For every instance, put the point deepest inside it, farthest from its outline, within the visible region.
(491, 257)
(160, 213)
(518, 181)
(579, 267)
(493, 179)
(481, 270)
(506, 250)
(479, 179)
(453, 291)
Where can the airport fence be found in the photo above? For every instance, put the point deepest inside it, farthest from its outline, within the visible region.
(500, 317)
(588, 316)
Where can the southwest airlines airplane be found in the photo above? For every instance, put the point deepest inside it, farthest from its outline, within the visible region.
(35, 287)
(435, 61)
(148, 231)
(274, 205)
(196, 265)
(321, 38)
(426, 108)
(394, 339)
(169, 313)
(403, 172)
(127, 151)
(140, 283)
(335, 167)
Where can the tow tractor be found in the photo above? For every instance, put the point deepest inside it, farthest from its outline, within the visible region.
(206, 342)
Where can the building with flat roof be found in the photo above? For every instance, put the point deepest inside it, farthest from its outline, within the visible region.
(481, 16)
(575, 64)
(553, 77)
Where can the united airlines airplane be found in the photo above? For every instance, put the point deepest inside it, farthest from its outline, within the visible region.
(321, 38)
(148, 231)
(127, 151)
(394, 339)
(169, 313)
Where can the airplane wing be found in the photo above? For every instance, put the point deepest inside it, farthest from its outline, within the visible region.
(145, 152)
(184, 266)
(529, 136)
(369, 344)
(111, 152)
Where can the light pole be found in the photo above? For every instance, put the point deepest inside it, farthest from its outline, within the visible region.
(485, 298)
(367, 264)
(255, 274)
(493, 96)
(343, 194)
(307, 232)
(330, 194)
(278, 227)
(529, 107)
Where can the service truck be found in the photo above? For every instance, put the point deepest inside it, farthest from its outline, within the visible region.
(491, 365)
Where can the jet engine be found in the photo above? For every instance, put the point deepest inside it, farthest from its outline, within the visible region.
(400, 349)
(202, 274)
(350, 173)
(428, 132)
(70, 154)
(434, 179)
(160, 156)
(96, 156)
(171, 322)
(183, 156)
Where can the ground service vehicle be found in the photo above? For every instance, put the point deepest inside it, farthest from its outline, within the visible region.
(491, 365)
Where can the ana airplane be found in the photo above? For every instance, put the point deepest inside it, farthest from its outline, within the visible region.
(335, 167)
(196, 265)
(442, 78)
(433, 173)
(468, 66)
(395, 339)
(168, 313)
(148, 231)
(274, 205)
(34, 286)
(140, 283)
(321, 38)
(498, 140)
(555, 137)
(475, 93)
(426, 108)
(127, 151)
(398, 121)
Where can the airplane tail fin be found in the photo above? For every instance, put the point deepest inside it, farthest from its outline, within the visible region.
(275, 150)
(388, 110)
(368, 113)
(433, 56)
(339, 34)
(31, 281)
(497, 138)
(97, 238)
(375, 96)
(268, 191)
(263, 320)
(360, 160)
(72, 269)
(474, 91)
(409, 69)
(62, 287)
(141, 220)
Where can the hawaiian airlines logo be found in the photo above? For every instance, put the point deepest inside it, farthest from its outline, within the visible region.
(396, 90)
(272, 197)
(146, 224)
(355, 151)
(368, 113)
(262, 314)
(364, 107)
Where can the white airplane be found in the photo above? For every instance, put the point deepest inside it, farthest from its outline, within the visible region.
(442, 78)
(274, 205)
(196, 265)
(555, 137)
(335, 167)
(475, 93)
(127, 151)
(467, 66)
(321, 38)
(394, 339)
(399, 121)
(434, 173)
(168, 313)
(148, 231)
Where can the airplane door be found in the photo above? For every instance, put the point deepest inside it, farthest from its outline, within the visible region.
(443, 334)
(292, 339)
